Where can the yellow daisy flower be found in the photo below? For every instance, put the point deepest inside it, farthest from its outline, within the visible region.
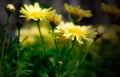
(70, 31)
(35, 12)
(77, 11)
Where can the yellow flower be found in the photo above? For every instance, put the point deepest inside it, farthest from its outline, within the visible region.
(110, 9)
(35, 12)
(56, 18)
(70, 31)
(77, 11)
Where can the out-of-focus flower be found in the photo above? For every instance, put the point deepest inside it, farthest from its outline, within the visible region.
(56, 18)
(70, 31)
(77, 11)
(36, 12)
(109, 34)
(100, 31)
(60, 62)
(111, 10)
(29, 35)
(10, 8)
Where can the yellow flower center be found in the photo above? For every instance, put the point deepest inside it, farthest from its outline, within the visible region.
(76, 31)
(38, 15)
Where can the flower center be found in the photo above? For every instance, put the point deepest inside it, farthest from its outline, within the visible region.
(76, 31)
(38, 15)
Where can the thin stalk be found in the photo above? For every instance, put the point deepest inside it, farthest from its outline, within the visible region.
(83, 58)
(74, 19)
(38, 25)
(63, 50)
(55, 40)
(73, 43)
(66, 57)
(18, 53)
(4, 41)
(65, 47)
(57, 75)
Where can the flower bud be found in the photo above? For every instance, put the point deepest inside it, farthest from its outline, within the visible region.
(100, 31)
(10, 8)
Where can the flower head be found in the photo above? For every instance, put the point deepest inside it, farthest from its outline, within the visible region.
(10, 8)
(110, 9)
(35, 12)
(70, 31)
(56, 19)
(77, 11)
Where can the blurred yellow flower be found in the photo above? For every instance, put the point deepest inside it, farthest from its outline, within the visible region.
(29, 35)
(70, 31)
(35, 12)
(110, 9)
(77, 11)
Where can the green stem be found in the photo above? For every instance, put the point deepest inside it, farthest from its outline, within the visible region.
(73, 43)
(63, 50)
(4, 41)
(41, 37)
(55, 40)
(18, 53)
(65, 47)
(57, 75)
(66, 57)
(17, 73)
(74, 19)
(83, 58)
